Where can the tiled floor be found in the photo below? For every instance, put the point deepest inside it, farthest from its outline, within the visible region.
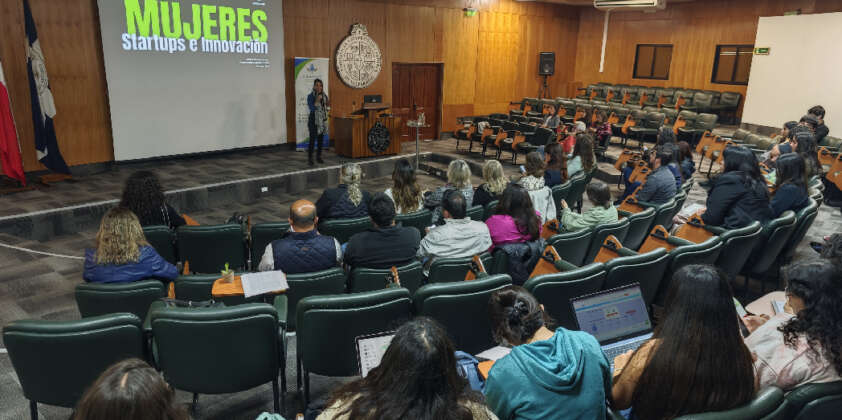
(38, 286)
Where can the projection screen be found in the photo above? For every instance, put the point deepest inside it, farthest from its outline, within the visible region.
(801, 70)
(190, 76)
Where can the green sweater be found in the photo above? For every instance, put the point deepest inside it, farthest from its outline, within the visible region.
(598, 215)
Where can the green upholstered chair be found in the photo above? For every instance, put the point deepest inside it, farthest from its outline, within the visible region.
(664, 214)
(328, 327)
(561, 191)
(195, 287)
(639, 226)
(163, 240)
(344, 229)
(325, 282)
(462, 307)
(804, 220)
(680, 198)
(55, 361)
(811, 401)
(572, 246)
(687, 253)
(490, 208)
(578, 183)
(647, 269)
(737, 245)
(759, 408)
(219, 350)
(554, 291)
(476, 213)
(262, 234)
(208, 248)
(453, 269)
(619, 229)
(648, 130)
(420, 220)
(95, 299)
(773, 239)
(367, 279)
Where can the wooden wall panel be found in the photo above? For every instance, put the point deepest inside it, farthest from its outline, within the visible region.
(72, 45)
(694, 29)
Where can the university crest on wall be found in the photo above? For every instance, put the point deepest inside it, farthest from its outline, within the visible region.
(358, 58)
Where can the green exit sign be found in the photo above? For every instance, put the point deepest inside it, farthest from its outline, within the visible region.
(762, 51)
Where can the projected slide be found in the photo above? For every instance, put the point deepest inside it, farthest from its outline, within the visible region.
(193, 76)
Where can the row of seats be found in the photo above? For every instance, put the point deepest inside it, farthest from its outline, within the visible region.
(693, 99)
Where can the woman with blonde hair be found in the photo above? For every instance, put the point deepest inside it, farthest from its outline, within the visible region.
(405, 193)
(347, 201)
(122, 254)
(495, 183)
(458, 178)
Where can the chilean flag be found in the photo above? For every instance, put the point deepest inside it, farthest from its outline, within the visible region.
(43, 107)
(10, 161)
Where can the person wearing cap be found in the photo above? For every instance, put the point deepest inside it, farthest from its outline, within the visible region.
(302, 249)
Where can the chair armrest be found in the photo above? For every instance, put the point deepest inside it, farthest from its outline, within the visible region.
(147, 323)
(280, 305)
(562, 266)
(626, 252)
(716, 229)
(647, 204)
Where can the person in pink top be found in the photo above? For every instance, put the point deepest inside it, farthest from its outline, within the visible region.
(802, 346)
(515, 220)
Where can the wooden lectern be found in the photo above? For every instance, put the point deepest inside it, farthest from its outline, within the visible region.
(350, 133)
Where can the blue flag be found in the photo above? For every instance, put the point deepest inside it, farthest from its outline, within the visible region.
(43, 107)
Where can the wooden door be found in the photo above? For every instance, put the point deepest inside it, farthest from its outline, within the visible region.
(416, 88)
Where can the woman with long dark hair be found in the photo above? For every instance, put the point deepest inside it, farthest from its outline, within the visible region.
(739, 196)
(318, 104)
(685, 161)
(807, 148)
(804, 344)
(583, 157)
(549, 374)
(696, 360)
(144, 196)
(416, 379)
(790, 185)
(556, 171)
(515, 220)
(405, 192)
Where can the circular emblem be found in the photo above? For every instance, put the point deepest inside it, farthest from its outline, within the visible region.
(378, 138)
(358, 58)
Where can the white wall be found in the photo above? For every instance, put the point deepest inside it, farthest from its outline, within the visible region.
(804, 68)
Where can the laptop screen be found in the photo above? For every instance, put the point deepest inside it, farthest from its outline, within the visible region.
(613, 314)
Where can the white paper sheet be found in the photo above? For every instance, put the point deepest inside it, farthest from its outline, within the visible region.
(494, 353)
(264, 282)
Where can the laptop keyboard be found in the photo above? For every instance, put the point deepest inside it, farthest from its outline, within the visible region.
(613, 352)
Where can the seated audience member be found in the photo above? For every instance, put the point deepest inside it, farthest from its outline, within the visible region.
(347, 201)
(569, 142)
(785, 130)
(805, 145)
(551, 120)
(583, 159)
(459, 236)
(739, 196)
(821, 130)
(602, 129)
(458, 178)
(130, 390)
(559, 374)
(685, 161)
(801, 346)
(302, 249)
(144, 196)
(602, 211)
(832, 249)
(405, 192)
(122, 254)
(786, 143)
(790, 185)
(495, 183)
(386, 244)
(515, 219)
(556, 170)
(417, 378)
(660, 186)
(696, 360)
(810, 121)
(541, 195)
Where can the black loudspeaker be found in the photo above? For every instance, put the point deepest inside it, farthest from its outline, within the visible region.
(546, 64)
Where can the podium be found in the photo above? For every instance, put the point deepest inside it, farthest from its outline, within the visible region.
(350, 133)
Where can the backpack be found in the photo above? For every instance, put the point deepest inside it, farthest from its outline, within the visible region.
(467, 367)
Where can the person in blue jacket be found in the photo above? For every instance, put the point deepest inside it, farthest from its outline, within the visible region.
(790, 185)
(559, 374)
(122, 254)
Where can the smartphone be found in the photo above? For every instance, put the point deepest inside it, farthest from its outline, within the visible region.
(741, 312)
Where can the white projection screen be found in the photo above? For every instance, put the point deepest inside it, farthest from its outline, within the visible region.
(191, 76)
(801, 70)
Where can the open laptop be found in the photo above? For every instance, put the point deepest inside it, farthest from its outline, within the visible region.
(617, 318)
(370, 350)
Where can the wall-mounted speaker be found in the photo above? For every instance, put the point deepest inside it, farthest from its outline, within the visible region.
(546, 64)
